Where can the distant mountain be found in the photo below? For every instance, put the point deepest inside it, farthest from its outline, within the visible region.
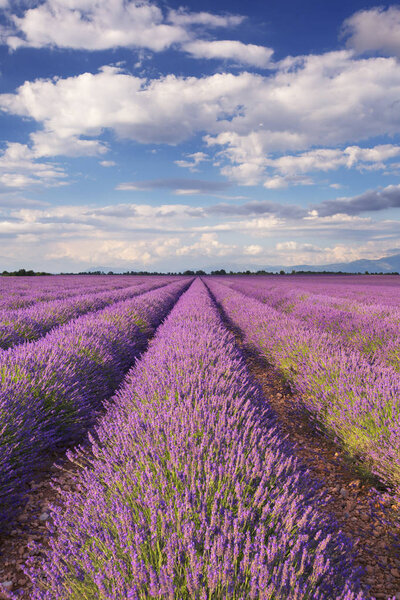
(387, 264)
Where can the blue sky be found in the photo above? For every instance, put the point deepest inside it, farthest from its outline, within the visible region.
(165, 136)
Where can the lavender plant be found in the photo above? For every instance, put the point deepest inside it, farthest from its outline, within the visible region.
(189, 490)
(32, 323)
(51, 390)
(351, 398)
(374, 329)
(21, 292)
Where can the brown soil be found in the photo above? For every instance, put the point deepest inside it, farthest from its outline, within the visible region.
(31, 525)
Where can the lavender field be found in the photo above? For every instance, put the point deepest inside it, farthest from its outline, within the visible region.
(183, 483)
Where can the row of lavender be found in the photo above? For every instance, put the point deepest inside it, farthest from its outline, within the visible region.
(376, 289)
(51, 390)
(356, 401)
(32, 323)
(20, 292)
(374, 328)
(190, 491)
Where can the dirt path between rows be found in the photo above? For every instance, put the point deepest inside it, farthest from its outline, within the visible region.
(32, 526)
(370, 517)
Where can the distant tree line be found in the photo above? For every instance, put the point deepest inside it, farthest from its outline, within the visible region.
(189, 272)
(23, 273)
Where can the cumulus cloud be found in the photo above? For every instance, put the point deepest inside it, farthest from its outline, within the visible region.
(246, 118)
(374, 30)
(94, 25)
(102, 24)
(165, 110)
(233, 50)
(310, 98)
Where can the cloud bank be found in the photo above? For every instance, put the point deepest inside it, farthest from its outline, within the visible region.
(247, 118)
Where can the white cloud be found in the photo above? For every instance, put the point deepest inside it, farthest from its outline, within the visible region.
(249, 118)
(336, 219)
(295, 253)
(49, 143)
(107, 163)
(377, 154)
(102, 24)
(169, 109)
(248, 172)
(184, 18)
(253, 250)
(20, 169)
(128, 187)
(275, 183)
(250, 161)
(376, 29)
(208, 245)
(187, 192)
(257, 226)
(244, 54)
(291, 245)
(196, 159)
(149, 236)
(332, 97)
(84, 235)
(326, 159)
(95, 25)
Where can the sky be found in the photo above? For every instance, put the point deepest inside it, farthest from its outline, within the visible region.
(164, 136)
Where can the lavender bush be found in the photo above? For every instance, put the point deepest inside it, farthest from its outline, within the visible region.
(20, 292)
(373, 328)
(29, 324)
(51, 390)
(350, 397)
(367, 290)
(189, 490)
